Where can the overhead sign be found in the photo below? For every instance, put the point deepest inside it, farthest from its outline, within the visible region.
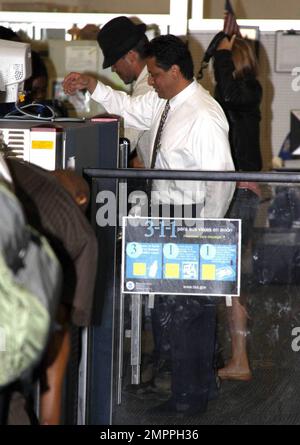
(181, 256)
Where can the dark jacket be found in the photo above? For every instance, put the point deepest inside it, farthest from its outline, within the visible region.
(50, 209)
(240, 100)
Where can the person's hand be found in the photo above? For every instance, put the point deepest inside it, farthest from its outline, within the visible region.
(75, 82)
(226, 43)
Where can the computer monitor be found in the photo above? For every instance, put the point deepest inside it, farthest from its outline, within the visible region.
(15, 68)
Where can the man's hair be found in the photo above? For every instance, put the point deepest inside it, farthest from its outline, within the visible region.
(170, 50)
(141, 47)
(38, 65)
(8, 34)
(38, 70)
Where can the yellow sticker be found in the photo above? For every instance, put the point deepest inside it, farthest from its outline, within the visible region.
(139, 269)
(208, 272)
(172, 270)
(42, 145)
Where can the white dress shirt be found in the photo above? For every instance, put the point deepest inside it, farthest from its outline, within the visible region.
(139, 140)
(195, 137)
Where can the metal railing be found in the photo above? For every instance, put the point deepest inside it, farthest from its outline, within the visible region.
(195, 175)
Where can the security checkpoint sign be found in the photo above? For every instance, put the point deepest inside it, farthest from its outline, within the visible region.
(181, 256)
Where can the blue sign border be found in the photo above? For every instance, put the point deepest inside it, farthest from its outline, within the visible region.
(176, 256)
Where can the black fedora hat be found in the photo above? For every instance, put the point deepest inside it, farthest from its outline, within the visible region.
(117, 37)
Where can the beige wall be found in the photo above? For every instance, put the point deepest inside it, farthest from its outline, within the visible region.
(247, 9)
(255, 9)
(104, 6)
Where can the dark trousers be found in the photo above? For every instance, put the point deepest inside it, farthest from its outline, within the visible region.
(5, 396)
(26, 388)
(184, 328)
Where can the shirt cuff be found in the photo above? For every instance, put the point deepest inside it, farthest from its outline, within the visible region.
(99, 92)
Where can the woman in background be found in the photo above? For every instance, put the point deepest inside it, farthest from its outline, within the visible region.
(239, 93)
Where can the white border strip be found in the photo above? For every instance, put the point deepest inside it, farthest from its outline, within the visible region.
(62, 18)
(177, 21)
(197, 9)
(195, 25)
(178, 17)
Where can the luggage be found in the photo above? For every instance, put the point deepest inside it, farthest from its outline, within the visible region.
(276, 256)
(30, 283)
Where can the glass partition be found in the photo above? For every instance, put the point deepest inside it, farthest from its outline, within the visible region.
(256, 353)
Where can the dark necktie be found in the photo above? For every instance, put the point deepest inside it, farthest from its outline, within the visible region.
(159, 133)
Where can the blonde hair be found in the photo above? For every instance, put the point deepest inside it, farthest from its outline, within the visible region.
(244, 58)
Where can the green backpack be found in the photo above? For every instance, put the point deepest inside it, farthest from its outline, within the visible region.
(30, 284)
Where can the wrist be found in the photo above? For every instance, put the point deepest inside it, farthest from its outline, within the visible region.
(92, 85)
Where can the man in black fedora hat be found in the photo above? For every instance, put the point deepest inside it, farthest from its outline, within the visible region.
(123, 44)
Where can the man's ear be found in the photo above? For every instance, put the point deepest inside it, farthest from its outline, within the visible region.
(131, 56)
(175, 71)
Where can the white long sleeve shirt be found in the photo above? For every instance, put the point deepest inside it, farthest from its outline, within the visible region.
(195, 137)
(139, 140)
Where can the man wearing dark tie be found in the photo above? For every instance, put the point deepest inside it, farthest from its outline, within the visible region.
(188, 131)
